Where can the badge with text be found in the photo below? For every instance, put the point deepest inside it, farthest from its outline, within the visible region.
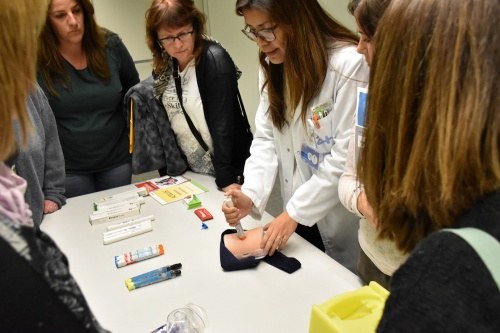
(310, 156)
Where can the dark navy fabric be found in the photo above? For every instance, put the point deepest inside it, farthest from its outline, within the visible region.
(230, 263)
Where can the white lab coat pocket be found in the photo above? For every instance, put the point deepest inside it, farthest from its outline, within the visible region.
(323, 136)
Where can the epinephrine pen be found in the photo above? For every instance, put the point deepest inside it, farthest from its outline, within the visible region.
(138, 255)
(239, 229)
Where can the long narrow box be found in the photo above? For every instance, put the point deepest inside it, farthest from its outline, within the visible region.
(123, 211)
(129, 222)
(116, 235)
(119, 196)
(111, 204)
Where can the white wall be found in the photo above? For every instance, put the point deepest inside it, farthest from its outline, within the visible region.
(127, 18)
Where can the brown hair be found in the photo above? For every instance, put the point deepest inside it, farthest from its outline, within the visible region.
(174, 14)
(433, 121)
(50, 61)
(311, 30)
(367, 14)
(20, 23)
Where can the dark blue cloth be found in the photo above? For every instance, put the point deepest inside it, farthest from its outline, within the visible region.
(230, 263)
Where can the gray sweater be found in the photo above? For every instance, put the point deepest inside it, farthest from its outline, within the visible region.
(41, 161)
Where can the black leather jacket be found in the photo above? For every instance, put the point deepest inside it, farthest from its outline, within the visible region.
(224, 113)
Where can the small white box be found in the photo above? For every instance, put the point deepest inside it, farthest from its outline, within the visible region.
(116, 235)
(115, 214)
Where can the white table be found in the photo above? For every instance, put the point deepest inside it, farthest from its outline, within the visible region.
(263, 299)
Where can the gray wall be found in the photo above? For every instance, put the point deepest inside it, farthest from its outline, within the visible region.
(127, 18)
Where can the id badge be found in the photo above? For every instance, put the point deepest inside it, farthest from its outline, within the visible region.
(310, 156)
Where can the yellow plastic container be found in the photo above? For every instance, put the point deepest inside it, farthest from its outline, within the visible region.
(354, 311)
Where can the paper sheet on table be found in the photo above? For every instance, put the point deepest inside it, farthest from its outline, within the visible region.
(177, 192)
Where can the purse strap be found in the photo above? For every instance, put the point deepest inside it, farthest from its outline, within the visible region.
(178, 88)
(485, 245)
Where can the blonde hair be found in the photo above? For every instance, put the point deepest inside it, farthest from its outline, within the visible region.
(433, 121)
(20, 23)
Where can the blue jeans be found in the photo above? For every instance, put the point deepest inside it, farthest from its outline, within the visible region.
(77, 184)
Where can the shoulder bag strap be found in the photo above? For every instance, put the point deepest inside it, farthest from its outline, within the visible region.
(485, 245)
(242, 108)
(178, 88)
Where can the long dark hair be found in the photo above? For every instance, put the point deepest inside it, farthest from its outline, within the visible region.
(368, 13)
(310, 31)
(50, 61)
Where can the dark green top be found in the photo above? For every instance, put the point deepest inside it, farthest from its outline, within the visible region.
(89, 115)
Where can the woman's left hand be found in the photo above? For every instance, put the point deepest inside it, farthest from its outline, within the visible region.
(277, 233)
(49, 206)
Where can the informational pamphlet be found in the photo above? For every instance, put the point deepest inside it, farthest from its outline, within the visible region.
(177, 192)
(162, 182)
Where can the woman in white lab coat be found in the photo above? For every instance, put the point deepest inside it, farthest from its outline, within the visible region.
(305, 145)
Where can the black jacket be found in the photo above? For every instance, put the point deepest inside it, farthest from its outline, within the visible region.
(445, 286)
(226, 118)
(224, 113)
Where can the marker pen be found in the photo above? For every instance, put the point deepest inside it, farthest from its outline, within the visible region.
(131, 285)
(239, 229)
(138, 255)
(155, 272)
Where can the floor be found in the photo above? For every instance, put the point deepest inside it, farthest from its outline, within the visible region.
(274, 205)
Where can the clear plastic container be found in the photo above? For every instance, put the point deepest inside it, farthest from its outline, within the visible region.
(191, 318)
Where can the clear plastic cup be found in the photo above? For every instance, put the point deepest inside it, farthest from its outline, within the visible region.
(191, 318)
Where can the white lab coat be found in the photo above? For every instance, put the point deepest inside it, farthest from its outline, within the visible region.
(311, 196)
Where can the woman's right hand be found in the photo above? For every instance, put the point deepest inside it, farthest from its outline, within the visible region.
(366, 209)
(242, 206)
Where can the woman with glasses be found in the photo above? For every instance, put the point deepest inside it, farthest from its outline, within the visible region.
(195, 81)
(309, 75)
(85, 70)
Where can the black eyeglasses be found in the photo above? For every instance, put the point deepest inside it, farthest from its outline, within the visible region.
(171, 39)
(264, 34)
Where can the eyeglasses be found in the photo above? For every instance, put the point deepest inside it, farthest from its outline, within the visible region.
(171, 39)
(264, 34)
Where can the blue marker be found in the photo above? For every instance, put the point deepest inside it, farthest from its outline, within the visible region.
(155, 272)
(131, 285)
